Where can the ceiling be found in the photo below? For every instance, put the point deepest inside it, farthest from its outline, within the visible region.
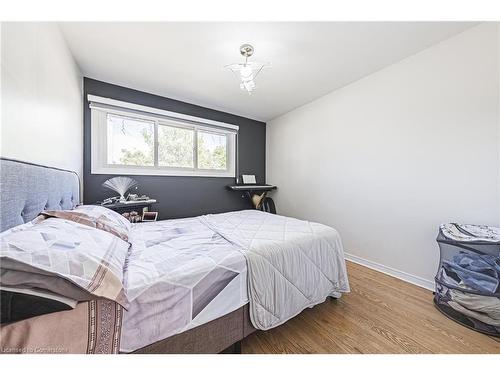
(185, 61)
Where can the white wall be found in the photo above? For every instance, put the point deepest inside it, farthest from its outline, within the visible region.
(42, 97)
(498, 76)
(388, 158)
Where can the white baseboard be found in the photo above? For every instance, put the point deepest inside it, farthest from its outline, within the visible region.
(416, 280)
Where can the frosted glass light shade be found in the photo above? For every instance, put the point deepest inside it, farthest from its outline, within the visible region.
(247, 72)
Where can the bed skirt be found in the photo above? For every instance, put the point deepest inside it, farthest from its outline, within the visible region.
(210, 338)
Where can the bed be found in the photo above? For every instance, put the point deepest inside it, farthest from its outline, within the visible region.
(193, 285)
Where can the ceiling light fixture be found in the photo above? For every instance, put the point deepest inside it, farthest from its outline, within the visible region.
(247, 71)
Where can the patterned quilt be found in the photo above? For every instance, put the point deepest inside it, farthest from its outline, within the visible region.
(292, 264)
(179, 274)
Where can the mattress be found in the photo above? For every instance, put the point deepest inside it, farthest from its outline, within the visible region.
(179, 274)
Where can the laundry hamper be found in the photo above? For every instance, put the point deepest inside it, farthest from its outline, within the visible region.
(468, 277)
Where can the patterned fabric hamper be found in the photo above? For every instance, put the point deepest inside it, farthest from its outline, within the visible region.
(468, 277)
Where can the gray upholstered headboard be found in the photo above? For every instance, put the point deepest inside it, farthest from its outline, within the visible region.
(27, 189)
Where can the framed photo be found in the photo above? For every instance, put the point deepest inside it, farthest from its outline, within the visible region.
(248, 178)
(149, 216)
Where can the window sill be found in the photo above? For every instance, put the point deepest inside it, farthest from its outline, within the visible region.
(159, 172)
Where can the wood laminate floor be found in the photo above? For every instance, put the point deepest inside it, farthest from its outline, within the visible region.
(382, 314)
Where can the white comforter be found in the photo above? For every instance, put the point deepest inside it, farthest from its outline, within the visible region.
(179, 274)
(292, 264)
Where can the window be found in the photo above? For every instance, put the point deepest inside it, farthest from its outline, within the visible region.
(143, 140)
(212, 151)
(130, 141)
(175, 147)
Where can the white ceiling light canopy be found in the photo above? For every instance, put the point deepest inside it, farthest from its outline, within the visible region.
(247, 71)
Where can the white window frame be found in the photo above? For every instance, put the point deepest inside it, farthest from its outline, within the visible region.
(101, 107)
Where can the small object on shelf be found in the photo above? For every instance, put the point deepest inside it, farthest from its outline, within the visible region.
(132, 216)
(149, 216)
(110, 200)
(138, 198)
(248, 178)
(132, 197)
(120, 184)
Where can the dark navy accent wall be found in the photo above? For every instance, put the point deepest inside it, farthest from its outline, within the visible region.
(179, 196)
